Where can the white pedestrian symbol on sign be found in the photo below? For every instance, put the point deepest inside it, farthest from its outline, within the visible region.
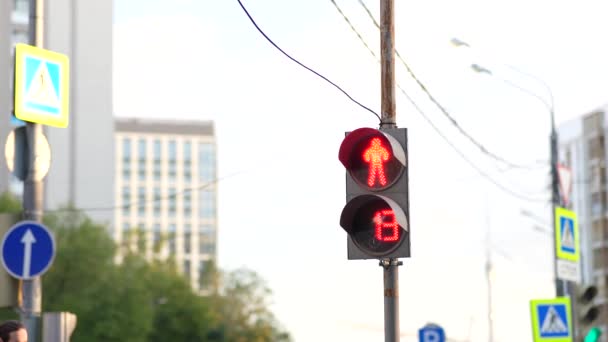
(567, 238)
(42, 91)
(553, 324)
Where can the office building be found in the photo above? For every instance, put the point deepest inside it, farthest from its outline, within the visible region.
(82, 167)
(583, 148)
(165, 187)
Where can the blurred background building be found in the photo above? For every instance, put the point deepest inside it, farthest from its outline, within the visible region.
(583, 149)
(82, 167)
(165, 187)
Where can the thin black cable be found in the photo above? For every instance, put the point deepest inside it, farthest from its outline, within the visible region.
(460, 153)
(464, 157)
(302, 65)
(137, 203)
(352, 27)
(443, 109)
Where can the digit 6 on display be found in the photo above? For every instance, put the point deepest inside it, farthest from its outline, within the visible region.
(377, 202)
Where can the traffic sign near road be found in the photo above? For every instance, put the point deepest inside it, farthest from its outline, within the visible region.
(551, 321)
(41, 86)
(567, 247)
(431, 333)
(28, 250)
(566, 235)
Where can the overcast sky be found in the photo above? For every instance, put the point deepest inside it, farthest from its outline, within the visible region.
(279, 128)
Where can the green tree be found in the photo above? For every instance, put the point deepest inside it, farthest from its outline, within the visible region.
(241, 307)
(84, 279)
(135, 300)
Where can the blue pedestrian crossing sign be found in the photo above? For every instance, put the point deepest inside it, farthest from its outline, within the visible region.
(41, 86)
(566, 235)
(28, 250)
(431, 333)
(551, 320)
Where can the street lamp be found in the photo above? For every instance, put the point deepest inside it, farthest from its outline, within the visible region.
(560, 287)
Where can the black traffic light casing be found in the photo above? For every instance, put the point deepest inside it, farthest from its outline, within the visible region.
(385, 204)
(588, 312)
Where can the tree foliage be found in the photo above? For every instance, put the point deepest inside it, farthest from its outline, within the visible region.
(138, 300)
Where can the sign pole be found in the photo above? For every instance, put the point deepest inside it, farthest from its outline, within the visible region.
(33, 187)
(388, 120)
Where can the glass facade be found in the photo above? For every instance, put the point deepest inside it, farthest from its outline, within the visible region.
(206, 205)
(172, 147)
(206, 163)
(157, 154)
(187, 161)
(141, 201)
(126, 159)
(141, 159)
(157, 202)
(187, 239)
(166, 176)
(126, 200)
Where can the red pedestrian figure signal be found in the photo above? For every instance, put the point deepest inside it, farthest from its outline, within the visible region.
(376, 155)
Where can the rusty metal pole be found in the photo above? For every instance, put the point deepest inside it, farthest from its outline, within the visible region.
(387, 61)
(33, 187)
(389, 120)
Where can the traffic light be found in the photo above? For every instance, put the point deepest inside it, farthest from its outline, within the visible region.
(588, 312)
(377, 202)
(593, 335)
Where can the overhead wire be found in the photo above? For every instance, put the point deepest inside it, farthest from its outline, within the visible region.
(138, 203)
(302, 65)
(438, 131)
(441, 108)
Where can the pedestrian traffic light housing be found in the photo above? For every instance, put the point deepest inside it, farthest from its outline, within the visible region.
(377, 202)
(588, 312)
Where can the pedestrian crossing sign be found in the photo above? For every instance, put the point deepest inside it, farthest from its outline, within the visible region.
(41, 86)
(566, 235)
(551, 320)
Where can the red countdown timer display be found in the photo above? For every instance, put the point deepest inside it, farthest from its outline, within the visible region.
(375, 227)
(371, 160)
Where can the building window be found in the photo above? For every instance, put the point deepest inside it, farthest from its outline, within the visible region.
(206, 205)
(141, 236)
(172, 239)
(141, 201)
(172, 159)
(187, 161)
(202, 274)
(207, 231)
(187, 198)
(126, 227)
(126, 200)
(172, 202)
(187, 267)
(206, 245)
(187, 239)
(598, 203)
(126, 159)
(141, 154)
(206, 162)
(156, 238)
(157, 159)
(157, 202)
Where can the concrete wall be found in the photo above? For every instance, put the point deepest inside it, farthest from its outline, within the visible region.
(82, 171)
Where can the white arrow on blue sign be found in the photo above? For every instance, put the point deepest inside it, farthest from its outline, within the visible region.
(431, 333)
(28, 250)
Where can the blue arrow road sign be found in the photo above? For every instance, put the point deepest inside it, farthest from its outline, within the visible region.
(28, 249)
(431, 333)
